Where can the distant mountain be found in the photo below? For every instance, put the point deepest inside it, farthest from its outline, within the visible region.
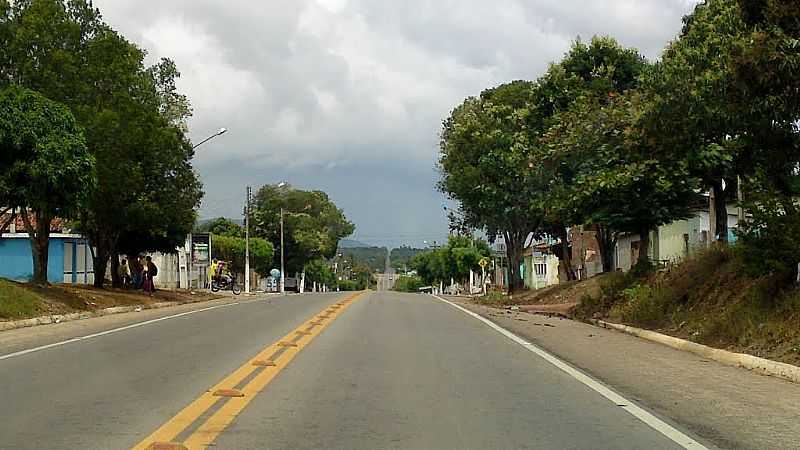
(350, 243)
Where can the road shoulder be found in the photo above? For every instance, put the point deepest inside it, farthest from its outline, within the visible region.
(729, 406)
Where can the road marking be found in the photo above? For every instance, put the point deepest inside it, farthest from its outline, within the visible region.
(641, 414)
(231, 407)
(114, 330)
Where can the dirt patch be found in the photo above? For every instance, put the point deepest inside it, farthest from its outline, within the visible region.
(65, 299)
(570, 293)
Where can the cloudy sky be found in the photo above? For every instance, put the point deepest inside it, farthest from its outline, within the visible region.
(347, 96)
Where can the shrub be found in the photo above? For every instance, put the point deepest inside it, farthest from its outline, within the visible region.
(408, 283)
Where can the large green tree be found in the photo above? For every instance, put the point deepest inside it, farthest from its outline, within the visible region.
(45, 168)
(590, 73)
(690, 114)
(313, 224)
(133, 117)
(484, 153)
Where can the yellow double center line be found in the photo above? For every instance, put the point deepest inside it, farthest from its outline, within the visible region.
(235, 400)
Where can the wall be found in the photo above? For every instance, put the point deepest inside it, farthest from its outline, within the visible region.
(16, 262)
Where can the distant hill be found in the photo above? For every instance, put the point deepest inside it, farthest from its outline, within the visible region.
(402, 256)
(350, 243)
(373, 257)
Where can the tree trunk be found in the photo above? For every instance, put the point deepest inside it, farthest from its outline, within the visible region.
(39, 234)
(644, 246)
(720, 214)
(115, 281)
(607, 241)
(566, 254)
(100, 260)
(514, 253)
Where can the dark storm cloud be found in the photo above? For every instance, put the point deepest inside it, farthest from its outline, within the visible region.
(313, 88)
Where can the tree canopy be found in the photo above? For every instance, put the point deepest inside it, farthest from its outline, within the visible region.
(313, 224)
(45, 168)
(133, 120)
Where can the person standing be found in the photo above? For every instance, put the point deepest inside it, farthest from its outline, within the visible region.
(136, 272)
(150, 271)
(124, 274)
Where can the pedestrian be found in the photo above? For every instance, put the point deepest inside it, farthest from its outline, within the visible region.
(124, 274)
(136, 272)
(150, 271)
(212, 272)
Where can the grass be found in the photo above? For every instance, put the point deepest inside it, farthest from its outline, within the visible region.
(16, 301)
(709, 299)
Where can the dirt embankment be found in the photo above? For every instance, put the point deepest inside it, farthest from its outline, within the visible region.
(707, 299)
(65, 299)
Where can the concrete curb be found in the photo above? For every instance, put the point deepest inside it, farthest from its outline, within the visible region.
(58, 318)
(750, 362)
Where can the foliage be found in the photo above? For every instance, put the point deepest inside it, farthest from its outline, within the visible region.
(233, 249)
(408, 283)
(452, 261)
(484, 152)
(45, 167)
(319, 271)
(134, 121)
(348, 285)
(313, 225)
(769, 239)
(401, 257)
(363, 277)
(223, 227)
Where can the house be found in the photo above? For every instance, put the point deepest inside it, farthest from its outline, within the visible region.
(540, 267)
(69, 258)
(672, 242)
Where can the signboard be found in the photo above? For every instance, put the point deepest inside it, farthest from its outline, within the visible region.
(483, 263)
(201, 248)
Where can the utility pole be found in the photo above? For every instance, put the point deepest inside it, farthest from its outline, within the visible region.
(283, 275)
(247, 243)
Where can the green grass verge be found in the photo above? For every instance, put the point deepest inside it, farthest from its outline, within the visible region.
(17, 302)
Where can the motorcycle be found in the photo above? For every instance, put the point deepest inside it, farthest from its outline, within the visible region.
(226, 283)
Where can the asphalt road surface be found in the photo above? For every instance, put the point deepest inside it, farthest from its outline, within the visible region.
(372, 371)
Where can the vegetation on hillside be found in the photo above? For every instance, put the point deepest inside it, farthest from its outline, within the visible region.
(708, 299)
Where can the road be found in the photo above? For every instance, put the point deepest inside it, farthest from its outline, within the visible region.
(372, 371)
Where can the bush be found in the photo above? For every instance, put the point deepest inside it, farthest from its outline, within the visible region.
(408, 284)
(769, 239)
(348, 285)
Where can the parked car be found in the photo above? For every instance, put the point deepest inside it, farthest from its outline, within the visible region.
(291, 284)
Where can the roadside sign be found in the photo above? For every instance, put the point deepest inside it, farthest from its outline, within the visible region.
(483, 263)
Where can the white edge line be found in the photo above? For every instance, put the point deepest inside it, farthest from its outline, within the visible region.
(641, 414)
(113, 330)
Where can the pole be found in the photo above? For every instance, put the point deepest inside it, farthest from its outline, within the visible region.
(247, 243)
(283, 275)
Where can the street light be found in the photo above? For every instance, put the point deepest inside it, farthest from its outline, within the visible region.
(283, 275)
(218, 133)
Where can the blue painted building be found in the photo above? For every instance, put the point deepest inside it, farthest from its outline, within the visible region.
(69, 258)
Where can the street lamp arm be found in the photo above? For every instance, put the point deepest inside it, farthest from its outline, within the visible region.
(218, 133)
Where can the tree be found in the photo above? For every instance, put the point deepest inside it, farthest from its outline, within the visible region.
(618, 180)
(452, 261)
(590, 73)
(232, 249)
(134, 122)
(484, 150)
(689, 113)
(319, 271)
(313, 225)
(45, 168)
(222, 226)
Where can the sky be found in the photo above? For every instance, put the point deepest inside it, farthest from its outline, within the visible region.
(348, 96)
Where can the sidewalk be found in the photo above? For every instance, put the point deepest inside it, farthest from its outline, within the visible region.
(731, 407)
